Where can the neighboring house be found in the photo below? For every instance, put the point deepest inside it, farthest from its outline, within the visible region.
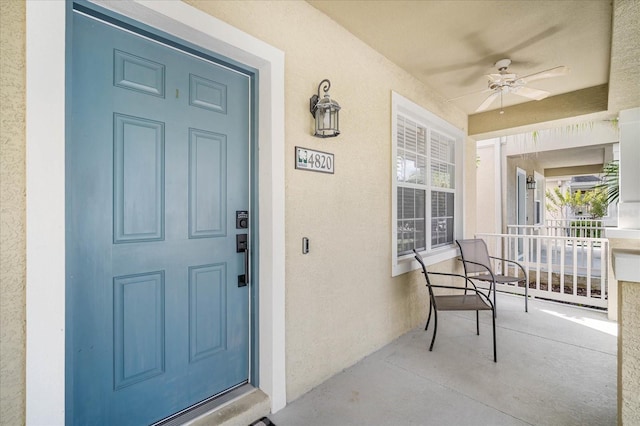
(308, 315)
(584, 184)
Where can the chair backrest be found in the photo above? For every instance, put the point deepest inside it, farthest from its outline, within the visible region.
(424, 271)
(474, 250)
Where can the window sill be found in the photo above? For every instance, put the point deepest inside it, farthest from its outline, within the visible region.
(407, 263)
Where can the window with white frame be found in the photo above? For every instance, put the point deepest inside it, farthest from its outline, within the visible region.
(427, 201)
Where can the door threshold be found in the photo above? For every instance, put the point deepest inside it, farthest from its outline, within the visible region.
(208, 405)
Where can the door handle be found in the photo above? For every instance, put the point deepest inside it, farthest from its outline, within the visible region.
(243, 280)
(243, 247)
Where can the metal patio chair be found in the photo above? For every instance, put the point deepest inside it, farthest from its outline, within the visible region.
(471, 300)
(477, 266)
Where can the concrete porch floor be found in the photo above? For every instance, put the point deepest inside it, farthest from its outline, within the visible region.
(557, 365)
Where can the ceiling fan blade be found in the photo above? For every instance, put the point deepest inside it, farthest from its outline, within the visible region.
(553, 72)
(492, 97)
(528, 92)
(498, 78)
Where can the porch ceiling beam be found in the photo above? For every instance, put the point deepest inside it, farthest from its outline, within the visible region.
(589, 169)
(568, 105)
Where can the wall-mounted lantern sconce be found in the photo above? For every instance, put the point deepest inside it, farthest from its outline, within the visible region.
(325, 111)
(531, 182)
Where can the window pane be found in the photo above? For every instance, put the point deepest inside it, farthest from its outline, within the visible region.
(410, 136)
(420, 236)
(411, 163)
(410, 167)
(442, 210)
(442, 161)
(421, 173)
(408, 203)
(400, 167)
(422, 141)
(449, 204)
(441, 232)
(411, 231)
(442, 147)
(437, 204)
(420, 204)
(400, 134)
(441, 175)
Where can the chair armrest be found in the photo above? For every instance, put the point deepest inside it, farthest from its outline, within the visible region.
(480, 264)
(524, 273)
(455, 275)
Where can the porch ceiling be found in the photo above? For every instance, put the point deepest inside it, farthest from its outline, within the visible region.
(451, 46)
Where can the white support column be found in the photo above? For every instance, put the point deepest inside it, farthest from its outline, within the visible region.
(629, 206)
(627, 234)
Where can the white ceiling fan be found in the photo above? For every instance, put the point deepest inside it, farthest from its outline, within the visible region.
(505, 82)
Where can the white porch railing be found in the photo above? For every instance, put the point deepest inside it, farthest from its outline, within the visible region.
(591, 228)
(568, 269)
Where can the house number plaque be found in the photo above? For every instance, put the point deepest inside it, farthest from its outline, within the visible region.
(312, 160)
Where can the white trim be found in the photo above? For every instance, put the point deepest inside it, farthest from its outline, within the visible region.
(498, 185)
(621, 233)
(522, 172)
(540, 189)
(45, 216)
(626, 265)
(46, 29)
(402, 105)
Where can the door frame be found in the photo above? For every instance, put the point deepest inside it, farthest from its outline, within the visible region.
(521, 207)
(521, 195)
(47, 38)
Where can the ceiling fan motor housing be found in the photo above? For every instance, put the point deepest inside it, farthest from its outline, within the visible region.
(503, 64)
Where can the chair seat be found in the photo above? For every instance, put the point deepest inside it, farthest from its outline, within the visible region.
(471, 302)
(501, 279)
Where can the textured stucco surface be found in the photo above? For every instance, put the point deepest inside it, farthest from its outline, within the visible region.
(624, 90)
(12, 212)
(341, 302)
(627, 295)
(629, 357)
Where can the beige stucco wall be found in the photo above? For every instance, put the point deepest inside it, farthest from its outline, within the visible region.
(629, 353)
(341, 302)
(12, 212)
(625, 310)
(487, 218)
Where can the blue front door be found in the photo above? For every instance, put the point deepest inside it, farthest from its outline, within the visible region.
(157, 166)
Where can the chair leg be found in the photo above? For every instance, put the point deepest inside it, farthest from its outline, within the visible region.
(429, 317)
(495, 309)
(435, 329)
(526, 294)
(477, 323)
(495, 357)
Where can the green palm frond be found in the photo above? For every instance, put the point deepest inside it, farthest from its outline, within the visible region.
(611, 181)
